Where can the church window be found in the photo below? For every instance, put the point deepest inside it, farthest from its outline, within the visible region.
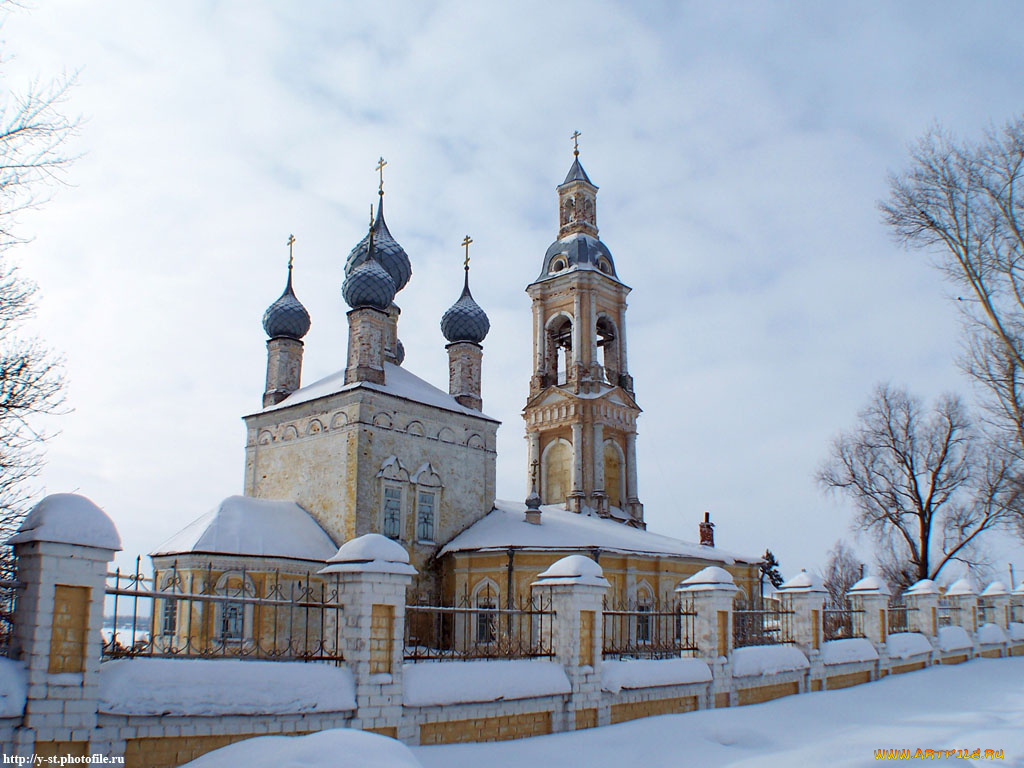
(558, 265)
(392, 512)
(644, 604)
(426, 505)
(170, 617)
(231, 621)
(604, 267)
(486, 616)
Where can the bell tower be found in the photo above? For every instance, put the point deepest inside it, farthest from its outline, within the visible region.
(581, 412)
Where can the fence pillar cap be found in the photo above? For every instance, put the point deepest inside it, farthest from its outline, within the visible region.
(1020, 589)
(708, 579)
(995, 589)
(802, 582)
(923, 587)
(574, 569)
(869, 585)
(67, 518)
(961, 587)
(372, 553)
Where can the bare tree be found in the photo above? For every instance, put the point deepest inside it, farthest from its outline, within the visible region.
(925, 485)
(33, 136)
(964, 202)
(842, 571)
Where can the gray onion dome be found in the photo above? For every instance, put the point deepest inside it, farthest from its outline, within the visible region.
(286, 317)
(389, 253)
(369, 285)
(399, 352)
(465, 320)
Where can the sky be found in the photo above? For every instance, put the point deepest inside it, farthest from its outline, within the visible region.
(741, 151)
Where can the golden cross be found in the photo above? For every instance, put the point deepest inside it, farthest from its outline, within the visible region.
(576, 143)
(380, 168)
(291, 242)
(466, 241)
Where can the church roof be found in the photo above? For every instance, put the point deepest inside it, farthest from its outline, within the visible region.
(576, 173)
(397, 381)
(241, 525)
(505, 526)
(579, 251)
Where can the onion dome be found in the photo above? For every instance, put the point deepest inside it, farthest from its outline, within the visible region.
(465, 320)
(368, 285)
(389, 253)
(286, 317)
(399, 352)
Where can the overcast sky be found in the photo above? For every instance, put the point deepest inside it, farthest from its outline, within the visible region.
(740, 150)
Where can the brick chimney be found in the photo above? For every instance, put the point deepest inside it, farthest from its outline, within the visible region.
(707, 531)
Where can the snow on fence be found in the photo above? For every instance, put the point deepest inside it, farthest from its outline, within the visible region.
(649, 629)
(477, 628)
(757, 624)
(198, 616)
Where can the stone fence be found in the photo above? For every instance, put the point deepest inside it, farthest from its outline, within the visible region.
(58, 698)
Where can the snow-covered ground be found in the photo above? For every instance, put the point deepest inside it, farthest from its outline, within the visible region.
(978, 705)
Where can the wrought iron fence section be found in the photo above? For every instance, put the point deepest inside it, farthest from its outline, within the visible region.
(284, 618)
(648, 630)
(842, 621)
(948, 615)
(897, 619)
(759, 624)
(1017, 612)
(477, 628)
(987, 612)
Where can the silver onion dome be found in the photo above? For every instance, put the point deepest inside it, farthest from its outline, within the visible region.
(465, 320)
(286, 317)
(389, 253)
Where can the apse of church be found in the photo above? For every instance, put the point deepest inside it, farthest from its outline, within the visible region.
(581, 412)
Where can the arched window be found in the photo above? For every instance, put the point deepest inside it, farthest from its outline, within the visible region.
(644, 605)
(608, 346)
(614, 467)
(485, 600)
(233, 621)
(556, 471)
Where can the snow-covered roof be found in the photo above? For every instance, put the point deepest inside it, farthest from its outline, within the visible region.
(67, 518)
(505, 526)
(802, 582)
(370, 553)
(711, 577)
(242, 525)
(961, 587)
(869, 585)
(573, 569)
(995, 588)
(397, 381)
(923, 587)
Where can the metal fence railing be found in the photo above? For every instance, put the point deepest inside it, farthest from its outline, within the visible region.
(897, 619)
(1017, 612)
(206, 613)
(648, 629)
(756, 624)
(948, 615)
(842, 621)
(477, 628)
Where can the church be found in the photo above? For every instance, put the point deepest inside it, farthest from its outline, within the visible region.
(374, 448)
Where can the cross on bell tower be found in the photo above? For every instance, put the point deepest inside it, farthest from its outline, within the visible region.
(581, 413)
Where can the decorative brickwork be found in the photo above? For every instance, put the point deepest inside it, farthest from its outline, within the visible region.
(992, 653)
(70, 622)
(586, 638)
(721, 700)
(487, 728)
(390, 731)
(586, 718)
(836, 682)
(766, 693)
(815, 685)
(382, 623)
(637, 709)
(960, 659)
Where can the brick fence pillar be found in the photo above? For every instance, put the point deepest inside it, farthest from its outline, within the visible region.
(806, 600)
(373, 573)
(922, 601)
(62, 550)
(998, 597)
(712, 590)
(964, 599)
(871, 596)
(576, 587)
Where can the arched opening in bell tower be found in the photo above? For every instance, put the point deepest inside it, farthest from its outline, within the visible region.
(558, 355)
(608, 346)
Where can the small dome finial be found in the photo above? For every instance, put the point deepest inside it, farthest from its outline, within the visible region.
(465, 320)
(576, 143)
(286, 317)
